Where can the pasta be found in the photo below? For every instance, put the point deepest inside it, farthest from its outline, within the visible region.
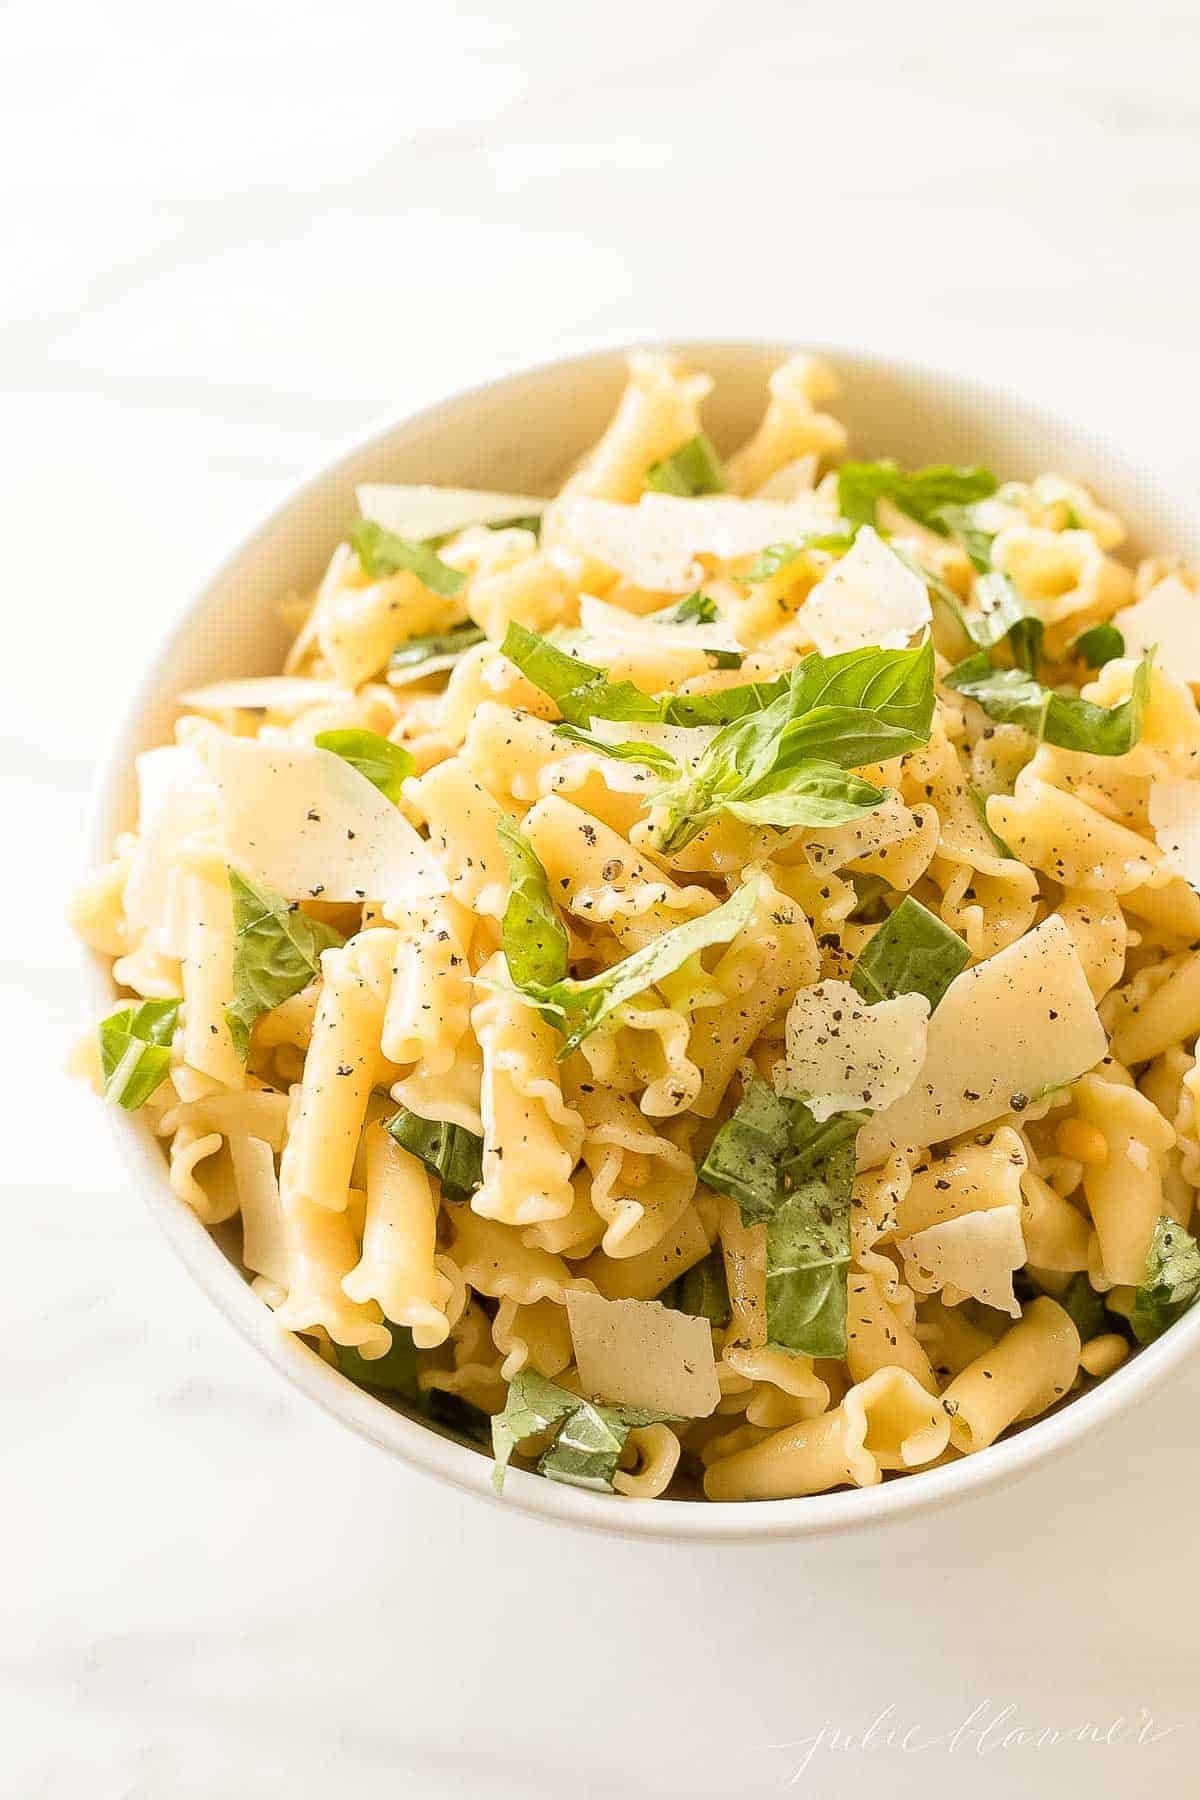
(699, 1014)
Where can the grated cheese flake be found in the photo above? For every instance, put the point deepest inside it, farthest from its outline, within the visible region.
(641, 1353)
(971, 1257)
(843, 1054)
(867, 598)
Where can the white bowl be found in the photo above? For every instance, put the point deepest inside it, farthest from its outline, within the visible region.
(521, 434)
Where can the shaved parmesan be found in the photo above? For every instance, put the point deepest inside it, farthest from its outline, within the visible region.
(287, 694)
(1175, 816)
(868, 598)
(600, 620)
(655, 543)
(264, 1235)
(971, 1257)
(640, 1353)
(176, 802)
(1169, 617)
(425, 512)
(843, 1054)
(1008, 1030)
(305, 822)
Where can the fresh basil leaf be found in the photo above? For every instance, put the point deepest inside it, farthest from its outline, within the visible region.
(383, 553)
(808, 1261)
(721, 708)
(436, 647)
(533, 937)
(768, 562)
(1003, 614)
(655, 756)
(979, 802)
(913, 952)
(521, 522)
(869, 891)
(811, 793)
(698, 609)
(1171, 1282)
(579, 1006)
(1098, 645)
(276, 952)
(1012, 697)
(386, 766)
(963, 523)
(1085, 1308)
(581, 691)
(694, 468)
(796, 1176)
(393, 1373)
(135, 1050)
(451, 1152)
(703, 1291)
(920, 493)
(779, 766)
(745, 1158)
(588, 1440)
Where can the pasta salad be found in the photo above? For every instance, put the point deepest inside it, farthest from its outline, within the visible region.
(690, 984)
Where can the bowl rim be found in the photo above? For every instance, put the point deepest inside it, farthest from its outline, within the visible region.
(421, 1447)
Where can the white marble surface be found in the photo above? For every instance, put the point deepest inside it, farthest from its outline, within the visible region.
(235, 234)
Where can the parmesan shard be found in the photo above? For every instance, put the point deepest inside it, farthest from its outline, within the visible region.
(1006, 1031)
(1175, 816)
(971, 1257)
(615, 625)
(305, 822)
(1169, 617)
(641, 1353)
(843, 1054)
(425, 512)
(655, 544)
(264, 1234)
(177, 801)
(868, 598)
(284, 694)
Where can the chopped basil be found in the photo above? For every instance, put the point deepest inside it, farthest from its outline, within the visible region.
(979, 802)
(579, 1006)
(913, 952)
(703, 1291)
(276, 952)
(135, 1050)
(1098, 645)
(383, 553)
(442, 648)
(581, 691)
(923, 494)
(694, 468)
(534, 938)
(768, 562)
(394, 1373)
(1085, 1307)
(697, 609)
(588, 1438)
(1058, 718)
(1171, 1283)
(451, 1152)
(386, 766)
(794, 1175)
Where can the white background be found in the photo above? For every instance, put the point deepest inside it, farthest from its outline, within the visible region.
(234, 235)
